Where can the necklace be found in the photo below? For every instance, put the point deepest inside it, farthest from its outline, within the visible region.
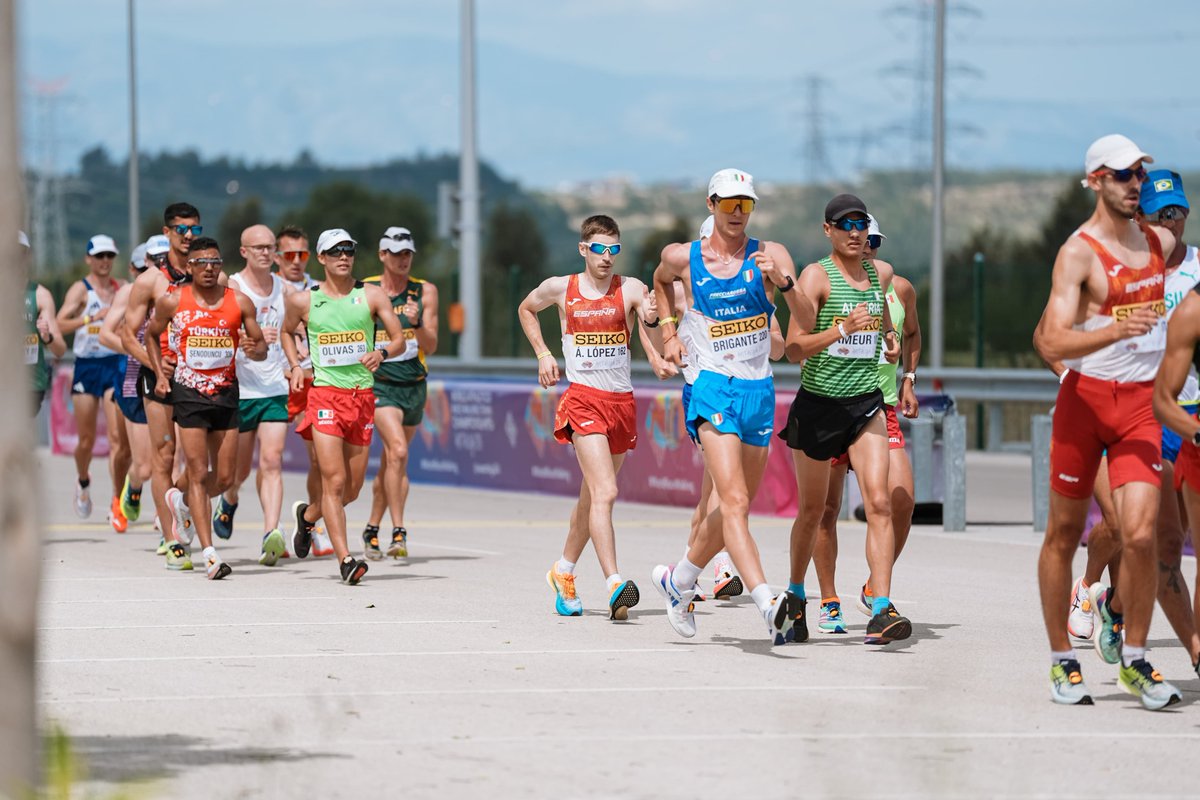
(725, 259)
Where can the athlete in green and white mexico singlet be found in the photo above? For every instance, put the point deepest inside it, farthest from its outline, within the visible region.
(340, 332)
(35, 351)
(887, 369)
(850, 366)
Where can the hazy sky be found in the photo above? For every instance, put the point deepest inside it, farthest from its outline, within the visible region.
(655, 90)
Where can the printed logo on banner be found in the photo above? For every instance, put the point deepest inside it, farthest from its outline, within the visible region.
(664, 424)
(435, 427)
(539, 418)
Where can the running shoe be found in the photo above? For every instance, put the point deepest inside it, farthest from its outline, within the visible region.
(679, 604)
(798, 607)
(353, 570)
(116, 518)
(321, 545)
(565, 601)
(399, 546)
(83, 502)
(865, 601)
(222, 522)
(1109, 624)
(131, 501)
(302, 533)
(1067, 686)
(726, 584)
(698, 595)
(216, 568)
(181, 517)
(624, 597)
(162, 547)
(178, 557)
(1143, 681)
(371, 543)
(273, 548)
(831, 620)
(887, 626)
(781, 617)
(1080, 623)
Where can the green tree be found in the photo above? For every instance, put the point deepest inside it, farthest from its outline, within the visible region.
(648, 254)
(514, 262)
(237, 217)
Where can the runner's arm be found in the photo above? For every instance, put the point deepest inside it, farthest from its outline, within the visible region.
(891, 337)
(164, 310)
(427, 330)
(777, 342)
(910, 346)
(45, 303)
(550, 292)
(1183, 333)
(295, 314)
(110, 335)
(672, 266)
(813, 287)
(381, 308)
(70, 316)
(257, 351)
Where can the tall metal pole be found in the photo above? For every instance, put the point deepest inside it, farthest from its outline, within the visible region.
(134, 236)
(937, 267)
(469, 294)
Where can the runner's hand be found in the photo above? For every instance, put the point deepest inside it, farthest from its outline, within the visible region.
(858, 319)
(547, 371)
(271, 335)
(663, 369)
(411, 311)
(769, 269)
(1140, 321)
(168, 365)
(101, 314)
(162, 386)
(372, 360)
(296, 379)
(43, 327)
(674, 351)
(909, 406)
(891, 348)
(649, 305)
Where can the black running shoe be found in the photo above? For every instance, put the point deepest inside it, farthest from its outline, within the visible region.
(624, 597)
(353, 570)
(371, 543)
(887, 626)
(302, 535)
(799, 610)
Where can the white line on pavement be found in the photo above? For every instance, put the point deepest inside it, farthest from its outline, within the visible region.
(612, 651)
(184, 599)
(300, 624)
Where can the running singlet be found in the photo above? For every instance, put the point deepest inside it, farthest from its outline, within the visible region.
(850, 366)
(887, 370)
(1179, 282)
(596, 340)
(132, 366)
(409, 365)
(732, 318)
(1133, 360)
(267, 378)
(340, 332)
(686, 330)
(205, 341)
(35, 351)
(87, 338)
(301, 285)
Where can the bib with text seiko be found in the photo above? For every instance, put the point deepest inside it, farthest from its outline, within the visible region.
(209, 352)
(410, 344)
(741, 339)
(31, 348)
(600, 350)
(860, 344)
(340, 348)
(1153, 340)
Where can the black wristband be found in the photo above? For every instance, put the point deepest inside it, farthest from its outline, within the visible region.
(652, 324)
(791, 283)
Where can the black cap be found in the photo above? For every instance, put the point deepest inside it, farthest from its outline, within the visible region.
(842, 205)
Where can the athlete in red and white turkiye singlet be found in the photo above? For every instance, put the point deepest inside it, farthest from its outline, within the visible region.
(1106, 401)
(206, 341)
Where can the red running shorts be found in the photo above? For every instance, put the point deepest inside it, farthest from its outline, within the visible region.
(589, 411)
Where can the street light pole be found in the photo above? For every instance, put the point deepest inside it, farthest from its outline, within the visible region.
(937, 268)
(134, 203)
(469, 295)
(978, 304)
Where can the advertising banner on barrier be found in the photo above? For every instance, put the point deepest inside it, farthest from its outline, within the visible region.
(63, 435)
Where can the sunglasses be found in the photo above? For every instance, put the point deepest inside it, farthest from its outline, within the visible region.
(1171, 213)
(159, 259)
(341, 250)
(182, 230)
(847, 224)
(400, 237)
(105, 256)
(728, 205)
(206, 262)
(874, 242)
(1125, 175)
(601, 249)
(295, 256)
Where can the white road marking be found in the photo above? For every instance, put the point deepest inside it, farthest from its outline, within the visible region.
(259, 657)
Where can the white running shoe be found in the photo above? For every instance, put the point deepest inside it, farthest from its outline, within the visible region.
(679, 604)
(181, 517)
(83, 502)
(321, 546)
(1080, 622)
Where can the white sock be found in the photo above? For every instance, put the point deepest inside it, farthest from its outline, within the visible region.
(685, 574)
(723, 563)
(613, 580)
(1131, 654)
(762, 597)
(1063, 655)
(562, 565)
(209, 552)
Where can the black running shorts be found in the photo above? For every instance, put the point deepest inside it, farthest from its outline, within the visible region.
(825, 427)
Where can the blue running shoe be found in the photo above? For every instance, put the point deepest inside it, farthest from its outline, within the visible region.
(831, 620)
(1109, 627)
(565, 601)
(222, 521)
(624, 597)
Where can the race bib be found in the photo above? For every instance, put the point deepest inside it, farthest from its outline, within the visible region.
(339, 348)
(208, 352)
(860, 344)
(410, 350)
(31, 348)
(741, 339)
(596, 350)
(1155, 340)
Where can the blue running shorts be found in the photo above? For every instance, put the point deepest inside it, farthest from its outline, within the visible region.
(1171, 440)
(742, 407)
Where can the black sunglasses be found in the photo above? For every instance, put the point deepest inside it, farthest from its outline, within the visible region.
(1171, 213)
(341, 250)
(874, 242)
(400, 237)
(1125, 175)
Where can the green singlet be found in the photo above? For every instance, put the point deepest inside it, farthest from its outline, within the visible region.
(340, 332)
(35, 351)
(850, 366)
(409, 366)
(887, 370)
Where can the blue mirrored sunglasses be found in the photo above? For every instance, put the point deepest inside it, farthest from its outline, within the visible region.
(601, 249)
(847, 224)
(182, 230)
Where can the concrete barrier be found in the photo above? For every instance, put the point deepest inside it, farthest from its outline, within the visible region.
(1040, 428)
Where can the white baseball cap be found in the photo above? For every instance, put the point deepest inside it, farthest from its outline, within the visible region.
(706, 227)
(397, 240)
(732, 183)
(137, 259)
(22, 239)
(101, 244)
(1115, 152)
(333, 236)
(873, 228)
(157, 245)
